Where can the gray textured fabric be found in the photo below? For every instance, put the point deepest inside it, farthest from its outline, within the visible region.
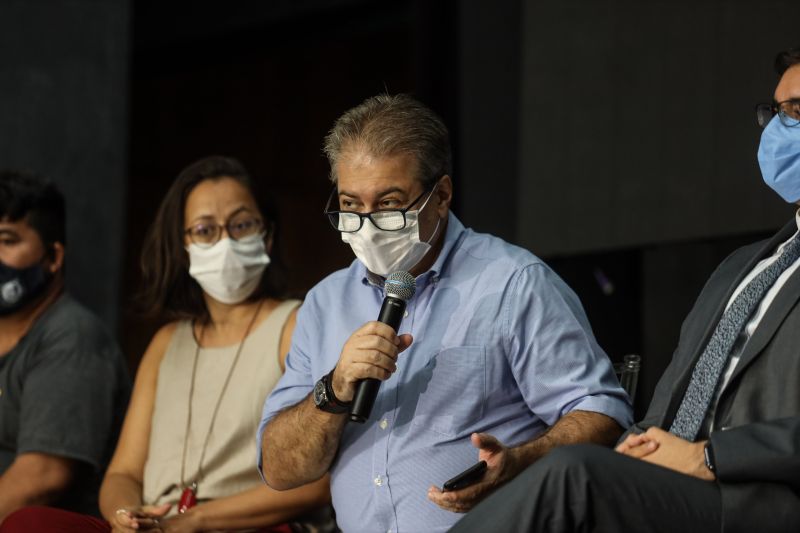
(706, 373)
(63, 391)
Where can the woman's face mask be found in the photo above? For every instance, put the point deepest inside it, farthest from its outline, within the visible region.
(229, 271)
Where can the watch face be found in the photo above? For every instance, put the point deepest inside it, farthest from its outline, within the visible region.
(320, 398)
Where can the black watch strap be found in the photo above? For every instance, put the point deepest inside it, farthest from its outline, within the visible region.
(327, 401)
(708, 451)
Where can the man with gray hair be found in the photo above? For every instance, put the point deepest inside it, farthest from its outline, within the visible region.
(498, 360)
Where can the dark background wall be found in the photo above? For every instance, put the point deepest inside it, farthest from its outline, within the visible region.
(616, 139)
(264, 85)
(63, 97)
(646, 108)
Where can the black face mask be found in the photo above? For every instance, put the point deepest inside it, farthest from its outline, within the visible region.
(18, 286)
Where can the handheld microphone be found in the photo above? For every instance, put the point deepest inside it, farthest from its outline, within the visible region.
(398, 288)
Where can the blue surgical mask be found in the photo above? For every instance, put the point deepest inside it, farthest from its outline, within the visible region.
(779, 157)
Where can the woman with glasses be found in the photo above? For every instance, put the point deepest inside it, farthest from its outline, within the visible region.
(185, 460)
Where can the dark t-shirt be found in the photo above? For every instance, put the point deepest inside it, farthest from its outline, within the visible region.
(63, 391)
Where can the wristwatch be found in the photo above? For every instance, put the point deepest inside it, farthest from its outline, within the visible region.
(708, 452)
(325, 399)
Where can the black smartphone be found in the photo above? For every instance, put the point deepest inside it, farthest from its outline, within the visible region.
(466, 478)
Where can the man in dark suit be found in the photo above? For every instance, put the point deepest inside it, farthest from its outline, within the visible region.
(719, 448)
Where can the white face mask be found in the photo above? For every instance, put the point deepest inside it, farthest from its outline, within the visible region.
(384, 252)
(229, 271)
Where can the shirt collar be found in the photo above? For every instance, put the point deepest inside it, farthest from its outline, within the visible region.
(453, 234)
(785, 243)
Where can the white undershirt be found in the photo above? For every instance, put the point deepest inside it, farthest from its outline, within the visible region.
(752, 324)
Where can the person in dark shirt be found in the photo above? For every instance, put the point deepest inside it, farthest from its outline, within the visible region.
(64, 383)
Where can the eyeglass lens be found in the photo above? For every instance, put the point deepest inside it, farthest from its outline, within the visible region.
(238, 228)
(788, 113)
(764, 113)
(351, 222)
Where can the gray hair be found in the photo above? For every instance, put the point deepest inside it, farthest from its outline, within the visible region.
(387, 125)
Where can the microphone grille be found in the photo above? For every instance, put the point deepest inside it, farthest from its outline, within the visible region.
(401, 285)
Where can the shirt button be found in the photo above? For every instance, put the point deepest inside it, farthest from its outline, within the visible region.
(405, 314)
(384, 423)
(378, 481)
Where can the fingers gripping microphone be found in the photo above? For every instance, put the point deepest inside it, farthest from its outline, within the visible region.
(398, 288)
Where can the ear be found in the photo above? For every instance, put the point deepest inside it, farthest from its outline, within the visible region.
(55, 258)
(444, 195)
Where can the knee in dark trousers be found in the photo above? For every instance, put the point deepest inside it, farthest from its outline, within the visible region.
(550, 495)
(572, 459)
(588, 488)
(562, 482)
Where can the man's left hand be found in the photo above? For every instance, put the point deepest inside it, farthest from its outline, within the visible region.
(502, 465)
(665, 449)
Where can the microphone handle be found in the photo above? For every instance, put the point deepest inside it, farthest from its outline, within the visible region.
(391, 314)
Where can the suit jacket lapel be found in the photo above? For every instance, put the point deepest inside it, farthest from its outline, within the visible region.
(736, 273)
(784, 301)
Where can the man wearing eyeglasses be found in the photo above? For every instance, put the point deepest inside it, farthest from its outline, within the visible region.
(719, 448)
(495, 361)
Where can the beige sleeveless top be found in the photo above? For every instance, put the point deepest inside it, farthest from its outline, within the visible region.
(229, 465)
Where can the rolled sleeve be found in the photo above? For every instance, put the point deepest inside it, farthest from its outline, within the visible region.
(554, 356)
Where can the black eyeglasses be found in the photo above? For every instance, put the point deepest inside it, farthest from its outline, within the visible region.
(385, 219)
(788, 111)
(207, 234)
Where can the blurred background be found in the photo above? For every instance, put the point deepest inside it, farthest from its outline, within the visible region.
(614, 139)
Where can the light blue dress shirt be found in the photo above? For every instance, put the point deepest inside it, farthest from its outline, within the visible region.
(501, 345)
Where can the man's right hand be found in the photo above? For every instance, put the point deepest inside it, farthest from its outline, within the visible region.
(370, 352)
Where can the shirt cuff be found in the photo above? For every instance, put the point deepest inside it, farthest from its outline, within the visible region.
(613, 406)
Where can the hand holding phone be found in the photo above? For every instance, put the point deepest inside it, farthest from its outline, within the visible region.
(468, 477)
